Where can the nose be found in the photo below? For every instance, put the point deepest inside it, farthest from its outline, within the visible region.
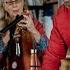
(14, 4)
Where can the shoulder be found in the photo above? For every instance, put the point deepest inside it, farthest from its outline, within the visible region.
(60, 10)
(60, 17)
(61, 14)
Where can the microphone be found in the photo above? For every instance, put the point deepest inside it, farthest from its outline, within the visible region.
(14, 22)
(9, 26)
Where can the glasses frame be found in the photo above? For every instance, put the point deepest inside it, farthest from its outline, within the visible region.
(12, 2)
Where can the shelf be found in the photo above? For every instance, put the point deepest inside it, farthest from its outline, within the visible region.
(41, 7)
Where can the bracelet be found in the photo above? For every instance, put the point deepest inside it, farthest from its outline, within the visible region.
(42, 44)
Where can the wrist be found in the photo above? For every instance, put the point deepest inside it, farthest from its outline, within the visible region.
(36, 35)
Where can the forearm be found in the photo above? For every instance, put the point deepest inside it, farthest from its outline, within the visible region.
(40, 36)
(41, 42)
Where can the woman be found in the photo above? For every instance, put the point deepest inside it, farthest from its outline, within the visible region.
(60, 39)
(28, 24)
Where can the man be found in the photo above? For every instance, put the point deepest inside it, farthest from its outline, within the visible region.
(60, 39)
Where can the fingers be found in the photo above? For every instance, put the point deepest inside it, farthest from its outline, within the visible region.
(16, 35)
(22, 24)
(8, 33)
(26, 23)
(26, 12)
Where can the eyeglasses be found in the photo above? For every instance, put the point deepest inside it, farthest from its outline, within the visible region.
(12, 2)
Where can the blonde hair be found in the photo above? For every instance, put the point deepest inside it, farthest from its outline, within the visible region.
(2, 15)
(7, 17)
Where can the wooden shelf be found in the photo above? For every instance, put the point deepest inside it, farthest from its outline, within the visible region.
(42, 7)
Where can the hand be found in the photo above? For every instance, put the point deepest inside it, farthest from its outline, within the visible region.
(6, 38)
(28, 23)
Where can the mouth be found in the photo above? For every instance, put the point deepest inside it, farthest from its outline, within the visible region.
(15, 11)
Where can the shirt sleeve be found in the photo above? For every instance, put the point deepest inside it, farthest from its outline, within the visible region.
(42, 44)
(1, 44)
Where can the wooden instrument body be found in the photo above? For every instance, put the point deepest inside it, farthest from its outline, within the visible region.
(23, 61)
